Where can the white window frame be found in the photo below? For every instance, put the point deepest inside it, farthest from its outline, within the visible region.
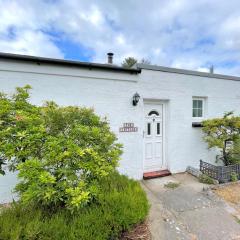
(199, 119)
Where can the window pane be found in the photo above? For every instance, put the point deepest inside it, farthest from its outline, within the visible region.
(158, 128)
(194, 103)
(195, 112)
(199, 112)
(149, 129)
(200, 103)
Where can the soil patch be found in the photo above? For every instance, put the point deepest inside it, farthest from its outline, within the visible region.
(139, 232)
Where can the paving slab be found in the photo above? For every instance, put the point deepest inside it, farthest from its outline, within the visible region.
(188, 212)
(212, 223)
(184, 199)
(163, 224)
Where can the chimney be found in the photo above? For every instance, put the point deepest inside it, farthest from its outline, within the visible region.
(211, 69)
(110, 58)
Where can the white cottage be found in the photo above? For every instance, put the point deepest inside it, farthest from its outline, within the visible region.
(160, 126)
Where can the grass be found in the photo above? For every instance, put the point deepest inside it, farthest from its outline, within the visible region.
(172, 185)
(206, 179)
(237, 219)
(230, 193)
(122, 204)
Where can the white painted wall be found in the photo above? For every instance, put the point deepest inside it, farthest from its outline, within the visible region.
(7, 184)
(110, 94)
(184, 143)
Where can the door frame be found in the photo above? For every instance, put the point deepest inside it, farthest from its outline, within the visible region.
(164, 104)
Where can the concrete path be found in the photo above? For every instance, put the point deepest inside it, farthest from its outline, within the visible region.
(187, 212)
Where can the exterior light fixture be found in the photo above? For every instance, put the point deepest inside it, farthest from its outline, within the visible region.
(136, 98)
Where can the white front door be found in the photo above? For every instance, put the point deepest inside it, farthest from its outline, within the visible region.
(153, 134)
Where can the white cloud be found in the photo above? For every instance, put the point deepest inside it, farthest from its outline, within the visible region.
(179, 33)
(31, 43)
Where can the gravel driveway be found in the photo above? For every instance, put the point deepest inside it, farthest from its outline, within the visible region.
(188, 212)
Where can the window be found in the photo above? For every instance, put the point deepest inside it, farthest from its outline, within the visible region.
(198, 107)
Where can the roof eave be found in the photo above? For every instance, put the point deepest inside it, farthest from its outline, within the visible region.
(187, 72)
(27, 58)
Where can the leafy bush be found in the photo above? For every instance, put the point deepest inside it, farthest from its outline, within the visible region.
(21, 128)
(234, 177)
(61, 152)
(223, 133)
(122, 204)
(203, 178)
(234, 152)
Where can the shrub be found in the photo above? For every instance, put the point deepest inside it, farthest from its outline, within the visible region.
(234, 177)
(223, 133)
(21, 129)
(61, 152)
(234, 152)
(203, 178)
(121, 205)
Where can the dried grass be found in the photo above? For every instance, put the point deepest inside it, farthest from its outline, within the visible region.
(230, 193)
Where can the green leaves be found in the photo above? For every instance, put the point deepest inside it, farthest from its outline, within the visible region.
(2, 162)
(223, 133)
(121, 204)
(61, 152)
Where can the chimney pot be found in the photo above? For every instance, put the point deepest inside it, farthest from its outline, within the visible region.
(110, 58)
(211, 69)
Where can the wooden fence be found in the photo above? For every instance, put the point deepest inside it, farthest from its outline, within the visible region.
(220, 173)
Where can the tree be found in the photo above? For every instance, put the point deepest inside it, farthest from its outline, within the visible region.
(224, 134)
(130, 61)
(61, 153)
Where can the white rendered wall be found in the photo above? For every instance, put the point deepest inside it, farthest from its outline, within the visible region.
(184, 143)
(109, 93)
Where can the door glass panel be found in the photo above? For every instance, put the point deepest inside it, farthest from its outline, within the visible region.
(153, 112)
(148, 128)
(158, 129)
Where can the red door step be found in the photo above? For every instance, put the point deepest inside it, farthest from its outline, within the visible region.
(156, 174)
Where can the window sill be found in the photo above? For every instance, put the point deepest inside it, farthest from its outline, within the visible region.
(197, 124)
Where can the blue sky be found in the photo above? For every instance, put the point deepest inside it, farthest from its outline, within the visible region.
(176, 33)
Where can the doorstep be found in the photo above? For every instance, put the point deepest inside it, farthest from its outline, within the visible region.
(156, 174)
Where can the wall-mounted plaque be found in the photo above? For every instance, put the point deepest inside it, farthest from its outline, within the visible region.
(128, 127)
